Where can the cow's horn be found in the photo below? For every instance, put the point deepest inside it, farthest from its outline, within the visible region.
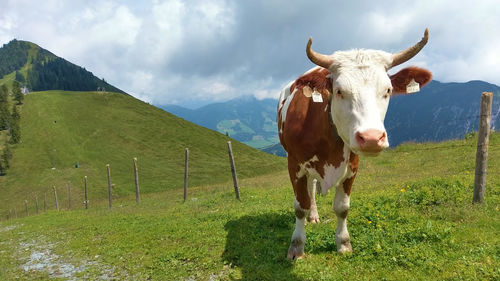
(317, 58)
(409, 53)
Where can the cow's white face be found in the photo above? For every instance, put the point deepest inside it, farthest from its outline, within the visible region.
(361, 92)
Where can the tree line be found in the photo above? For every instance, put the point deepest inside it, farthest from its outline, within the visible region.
(54, 73)
(9, 122)
(13, 56)
(62, 75)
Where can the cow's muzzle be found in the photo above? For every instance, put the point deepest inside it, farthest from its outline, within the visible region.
(371, 141)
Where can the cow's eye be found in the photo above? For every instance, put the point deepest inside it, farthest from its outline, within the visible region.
(388, 93)
(339, 93)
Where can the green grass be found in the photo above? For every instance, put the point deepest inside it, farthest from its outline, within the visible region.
(411, 218)
(94, 129)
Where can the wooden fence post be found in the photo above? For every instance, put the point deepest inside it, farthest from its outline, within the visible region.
(86, 198)
(45, 201)
(482, 147)
(26, 205)
(233, 170)
(136, 176)
(110, 194)
(55, 196)
(69, 196)
(186, 166)
(36, 203)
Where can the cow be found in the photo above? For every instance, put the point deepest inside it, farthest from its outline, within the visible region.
(330, 115)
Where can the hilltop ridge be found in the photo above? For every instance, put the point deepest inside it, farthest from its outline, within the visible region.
(38, 70)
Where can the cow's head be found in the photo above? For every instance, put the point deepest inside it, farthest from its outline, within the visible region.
(361, 91)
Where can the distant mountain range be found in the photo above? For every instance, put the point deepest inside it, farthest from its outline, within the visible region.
(440, 111)
(245, 119)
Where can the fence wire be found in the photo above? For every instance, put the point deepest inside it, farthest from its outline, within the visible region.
(19, 211)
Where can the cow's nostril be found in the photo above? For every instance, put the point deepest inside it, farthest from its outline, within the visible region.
(361, 141)
(382, 138)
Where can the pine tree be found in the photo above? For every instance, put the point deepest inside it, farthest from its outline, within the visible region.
(4, 108)
(15, 129)
(3, 170)
(5, 157)
(19, 77)
(4, 92)
(16, 90)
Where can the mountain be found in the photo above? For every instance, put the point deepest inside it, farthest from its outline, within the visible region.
(38, 70)
(440, 111)
(245, 119)
(64, 130)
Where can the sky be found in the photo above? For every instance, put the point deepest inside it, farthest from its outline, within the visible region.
(194, 52)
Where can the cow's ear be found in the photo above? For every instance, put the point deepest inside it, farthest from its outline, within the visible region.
(401, 79)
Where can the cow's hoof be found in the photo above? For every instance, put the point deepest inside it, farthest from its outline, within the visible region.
(295, 252)
(313, 218)
(345, 248)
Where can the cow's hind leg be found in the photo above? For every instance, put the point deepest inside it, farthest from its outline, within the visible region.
(301, 205)
(311, 187)
(341, 207)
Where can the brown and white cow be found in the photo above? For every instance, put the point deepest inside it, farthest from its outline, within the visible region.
(328, 116)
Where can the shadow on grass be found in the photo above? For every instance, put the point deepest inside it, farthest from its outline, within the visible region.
(258, 245)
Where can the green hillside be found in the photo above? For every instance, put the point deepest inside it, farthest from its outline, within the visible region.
(60, 129)
(411, 218)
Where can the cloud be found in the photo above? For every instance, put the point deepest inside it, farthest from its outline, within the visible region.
(197, 51)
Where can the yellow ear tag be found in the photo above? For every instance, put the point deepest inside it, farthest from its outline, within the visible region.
(412, 87)
(317, 96)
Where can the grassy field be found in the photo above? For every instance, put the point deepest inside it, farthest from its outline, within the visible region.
(411, 218)
(61, 129)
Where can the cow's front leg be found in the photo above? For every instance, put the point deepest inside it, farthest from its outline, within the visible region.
(341, 206)
(296, 250)
(313, 213)
(302, 205)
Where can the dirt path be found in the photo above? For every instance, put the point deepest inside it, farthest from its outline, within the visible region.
(38, 255)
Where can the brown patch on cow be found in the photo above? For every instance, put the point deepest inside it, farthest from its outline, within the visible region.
(348, 184)
(301, 193)
(401, 79)
(353, 165)
(315, 79)
(308, 131)
(299, 185)
(353, 162)
(328, 93)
